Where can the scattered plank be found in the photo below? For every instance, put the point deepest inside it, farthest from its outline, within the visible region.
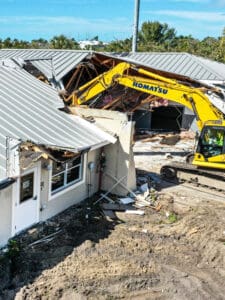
(135, 212)
(126, 200)
(109, 214)
(107, 198)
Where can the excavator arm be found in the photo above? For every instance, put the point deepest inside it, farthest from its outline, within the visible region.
(97, 85)
(209, 156)
(193, 98)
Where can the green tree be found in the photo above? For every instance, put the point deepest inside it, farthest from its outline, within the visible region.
(95, 38)
(185, 44)
(20, 44)
(155, 35)
(7, 43)
(208, 47)
(39, 44)
(119, 46)
(63, 42)
(221, 48)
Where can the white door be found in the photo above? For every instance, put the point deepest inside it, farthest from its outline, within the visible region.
(26, 210)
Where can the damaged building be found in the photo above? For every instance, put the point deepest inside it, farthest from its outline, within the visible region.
(54, 155)
(49, 159)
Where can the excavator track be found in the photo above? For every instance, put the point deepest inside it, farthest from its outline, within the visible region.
(184, 172)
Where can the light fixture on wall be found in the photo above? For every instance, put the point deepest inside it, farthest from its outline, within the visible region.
(91, 166)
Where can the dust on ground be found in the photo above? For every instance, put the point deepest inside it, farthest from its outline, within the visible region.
(81, 254)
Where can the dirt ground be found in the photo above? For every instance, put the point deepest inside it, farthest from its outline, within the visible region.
(174, 252)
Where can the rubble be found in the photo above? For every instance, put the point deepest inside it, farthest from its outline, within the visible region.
(145, 196)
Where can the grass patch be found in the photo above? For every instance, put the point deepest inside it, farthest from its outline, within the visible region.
(172, 218)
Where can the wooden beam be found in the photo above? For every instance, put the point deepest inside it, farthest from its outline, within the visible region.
(117, 99)
(73, 77)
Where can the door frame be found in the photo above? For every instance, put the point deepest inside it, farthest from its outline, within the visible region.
(16, 194)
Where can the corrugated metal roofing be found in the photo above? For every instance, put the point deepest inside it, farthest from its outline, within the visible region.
(186, 64)
(48, 61)
(28, 112)
(60, 62)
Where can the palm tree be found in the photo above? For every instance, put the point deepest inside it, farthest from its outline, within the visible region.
(63, 42)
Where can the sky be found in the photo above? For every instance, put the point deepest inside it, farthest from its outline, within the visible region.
(108, 19)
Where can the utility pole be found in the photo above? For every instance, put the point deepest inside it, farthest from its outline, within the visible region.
(135, 30)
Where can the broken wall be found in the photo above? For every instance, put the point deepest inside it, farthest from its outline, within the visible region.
(119, 158)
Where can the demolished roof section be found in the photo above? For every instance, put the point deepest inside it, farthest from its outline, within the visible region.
(52, 63)
(29, 112)
(61, 62)
(127, 86)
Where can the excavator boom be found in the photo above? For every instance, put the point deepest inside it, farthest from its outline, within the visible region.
(209, 159)
(193, 98)
(97, 85)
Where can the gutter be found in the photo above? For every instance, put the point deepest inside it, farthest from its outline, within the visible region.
(4, 183)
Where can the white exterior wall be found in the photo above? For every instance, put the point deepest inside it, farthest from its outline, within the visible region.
(51, 205)
(120, 162)
(5, 214)
(119, 156)
(48, 205)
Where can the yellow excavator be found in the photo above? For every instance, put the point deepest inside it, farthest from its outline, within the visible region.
(207, 164)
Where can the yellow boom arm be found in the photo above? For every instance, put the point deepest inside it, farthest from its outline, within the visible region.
(154, 84)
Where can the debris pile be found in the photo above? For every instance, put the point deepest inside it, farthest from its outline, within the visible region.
(135, 202)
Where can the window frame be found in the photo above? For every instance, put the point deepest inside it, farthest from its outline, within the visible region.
(23, 199)
(67, 186)
(207, 149)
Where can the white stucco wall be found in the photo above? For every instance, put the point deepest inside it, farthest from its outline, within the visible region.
(5, 215)
(120, 162)
(119, 156)
(49, 205)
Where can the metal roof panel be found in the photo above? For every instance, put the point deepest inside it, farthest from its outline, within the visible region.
(28, 112)
(49, 61)
(185, 64)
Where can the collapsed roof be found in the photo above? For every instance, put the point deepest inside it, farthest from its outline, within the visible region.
(52, 63)
(60, 62)
(67, 70)
(27, 98)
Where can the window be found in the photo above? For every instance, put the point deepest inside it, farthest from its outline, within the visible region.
(212, 142)
(66, 174)
(26, 187)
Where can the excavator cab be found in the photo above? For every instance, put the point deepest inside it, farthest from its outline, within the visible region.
(210, 151)
(211, 142)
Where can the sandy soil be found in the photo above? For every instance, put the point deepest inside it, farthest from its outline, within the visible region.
(133, 257)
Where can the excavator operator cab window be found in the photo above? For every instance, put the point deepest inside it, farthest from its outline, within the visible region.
(212, 141)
